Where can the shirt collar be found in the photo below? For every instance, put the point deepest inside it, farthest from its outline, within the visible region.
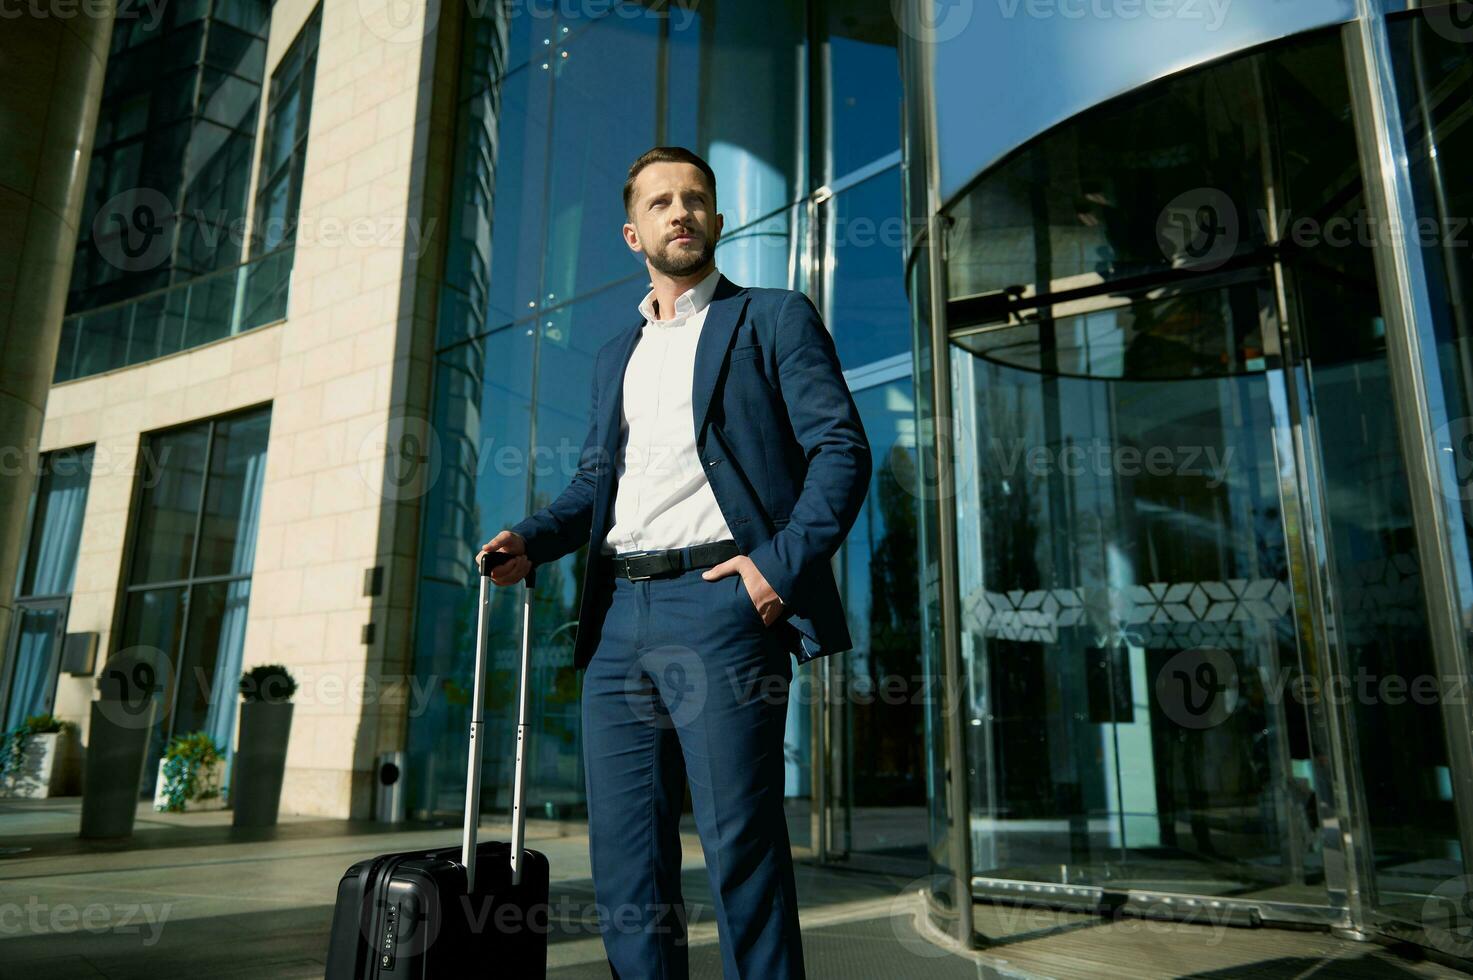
(693, 300)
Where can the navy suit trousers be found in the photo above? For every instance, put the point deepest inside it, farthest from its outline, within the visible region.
(687, 684)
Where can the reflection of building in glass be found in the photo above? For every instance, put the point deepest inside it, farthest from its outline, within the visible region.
(1201, 545)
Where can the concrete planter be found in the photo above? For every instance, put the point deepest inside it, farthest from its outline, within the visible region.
(45, 764)
(260, 762)
(117, 741)
(207, 795)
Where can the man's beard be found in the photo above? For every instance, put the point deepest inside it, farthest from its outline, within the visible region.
(681, 263)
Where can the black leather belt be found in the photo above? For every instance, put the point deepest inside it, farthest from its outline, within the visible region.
(639, 565)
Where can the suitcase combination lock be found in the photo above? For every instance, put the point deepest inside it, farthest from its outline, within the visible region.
(391, 924)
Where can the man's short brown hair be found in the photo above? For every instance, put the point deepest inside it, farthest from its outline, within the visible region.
(667, 154)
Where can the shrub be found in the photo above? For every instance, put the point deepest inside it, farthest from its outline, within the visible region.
(186, 757)
(271, 683)
(13, 741)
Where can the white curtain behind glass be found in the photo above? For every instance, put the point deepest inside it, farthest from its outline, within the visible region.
(224, 694)
(32, 657)
(55, 561)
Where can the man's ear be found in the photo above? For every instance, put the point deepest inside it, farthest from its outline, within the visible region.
(631, 237)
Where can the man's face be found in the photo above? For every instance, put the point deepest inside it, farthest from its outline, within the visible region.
(673, 220)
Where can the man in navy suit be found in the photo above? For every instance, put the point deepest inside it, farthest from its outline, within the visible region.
(724, 465)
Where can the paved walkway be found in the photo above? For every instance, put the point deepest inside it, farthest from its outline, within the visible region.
(190, 897)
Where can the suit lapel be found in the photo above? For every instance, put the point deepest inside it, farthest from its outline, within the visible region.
(611, 405)
(722, 317)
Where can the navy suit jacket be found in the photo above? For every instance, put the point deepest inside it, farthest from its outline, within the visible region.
(785, 454)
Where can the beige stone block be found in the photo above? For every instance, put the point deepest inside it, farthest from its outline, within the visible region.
(317, 792)
(278, 592)
(349, 623)
(336, 739)
(330, 359)
(315, 681)
(164, 409)
(98, 569)
(388, 384)
(299, 748)
(289, 372)
(167, 374)
(364, 67)
(341, 489)
(348, 395)
(297, 409)
(336, 287)
(297, 640)
(123, 387)
(382, 158)
(49, 434)
(256, 348)
(90, 428)
(105, 527)
(396, 114)
(76, 397)
(211, 362)
(343, 141)
(252, 386)
(287, 501)
(114, 422)
(318, 448)
(204, 400)
(270, 543)
(259, 648)
(308, 542)
(333, 108)
(383, 265)
(337, 585)
(355, 535)
(376, 304)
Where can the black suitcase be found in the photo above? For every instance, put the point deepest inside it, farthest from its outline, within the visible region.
(477, 910)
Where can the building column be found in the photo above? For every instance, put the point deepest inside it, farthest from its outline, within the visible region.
(51, 71)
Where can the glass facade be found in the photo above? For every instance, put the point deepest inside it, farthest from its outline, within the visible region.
(171, 162)
(188, 585)
(44, 587)
(1201, 530)
(284, 146)
(161, 262)
(538, 278)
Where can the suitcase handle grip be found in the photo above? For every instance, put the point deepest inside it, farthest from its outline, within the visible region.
(491, 559)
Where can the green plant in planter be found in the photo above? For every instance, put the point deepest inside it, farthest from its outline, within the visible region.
(271, 683)
(186, 757)
(13, 750)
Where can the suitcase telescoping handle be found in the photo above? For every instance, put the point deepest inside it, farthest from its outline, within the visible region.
(489, 560)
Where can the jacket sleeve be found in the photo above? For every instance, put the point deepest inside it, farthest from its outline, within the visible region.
(564, 525)
(826, 422)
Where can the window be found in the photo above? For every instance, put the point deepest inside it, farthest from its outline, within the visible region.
(284, 150)
(189, 571)
(44, 586)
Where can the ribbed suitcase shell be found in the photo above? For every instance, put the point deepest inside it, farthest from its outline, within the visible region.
(437, 933)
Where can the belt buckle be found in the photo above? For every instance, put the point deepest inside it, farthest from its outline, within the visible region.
(634, 555)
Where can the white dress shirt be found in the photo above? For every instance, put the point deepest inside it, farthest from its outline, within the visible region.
(663, 499)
